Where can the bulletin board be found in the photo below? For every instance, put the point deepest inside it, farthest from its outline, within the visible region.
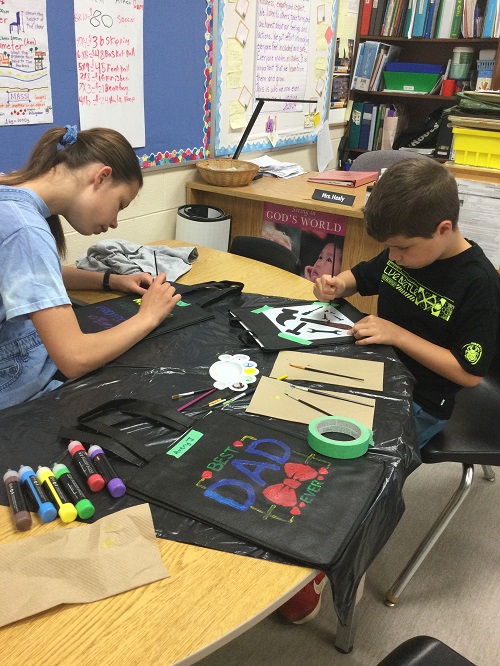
(272, 48)
(177, 83)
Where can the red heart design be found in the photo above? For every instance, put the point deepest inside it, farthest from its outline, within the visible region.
(323, 470)
(207, 474)
(237, 443)
(295, 511)
(302, 504)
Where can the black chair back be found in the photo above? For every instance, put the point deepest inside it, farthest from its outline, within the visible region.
(267, 251)
(471, 436)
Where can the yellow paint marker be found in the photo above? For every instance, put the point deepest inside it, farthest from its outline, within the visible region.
(280, 379)
(67, 511)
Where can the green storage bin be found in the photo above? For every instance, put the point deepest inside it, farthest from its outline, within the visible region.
(410, 81)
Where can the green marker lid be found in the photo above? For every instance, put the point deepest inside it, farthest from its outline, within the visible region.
(85, 509)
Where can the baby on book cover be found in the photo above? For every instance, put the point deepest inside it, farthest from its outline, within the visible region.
(344, 178)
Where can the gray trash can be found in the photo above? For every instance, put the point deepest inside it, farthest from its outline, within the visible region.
(203, 225)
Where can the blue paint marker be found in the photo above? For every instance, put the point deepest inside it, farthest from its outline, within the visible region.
(114, 484)
(46, 510)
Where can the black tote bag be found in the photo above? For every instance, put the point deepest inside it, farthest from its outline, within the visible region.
(260, 484)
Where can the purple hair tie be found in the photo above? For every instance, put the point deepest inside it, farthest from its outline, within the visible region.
(70, 137)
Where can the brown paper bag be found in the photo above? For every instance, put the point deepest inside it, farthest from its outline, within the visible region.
(68, 566)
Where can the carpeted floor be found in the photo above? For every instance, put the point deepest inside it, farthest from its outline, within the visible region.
(454, 596)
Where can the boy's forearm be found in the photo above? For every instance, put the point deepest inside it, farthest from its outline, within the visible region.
(351, 287)
(435, 358)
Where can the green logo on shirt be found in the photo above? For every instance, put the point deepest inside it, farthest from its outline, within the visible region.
(472, 352)
(423, 297)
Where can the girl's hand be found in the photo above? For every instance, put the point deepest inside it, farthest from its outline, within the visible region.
(158, 301)
(137, 283)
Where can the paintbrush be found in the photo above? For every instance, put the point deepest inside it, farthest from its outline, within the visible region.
(329, 395)
(303, 402)
(325, 372)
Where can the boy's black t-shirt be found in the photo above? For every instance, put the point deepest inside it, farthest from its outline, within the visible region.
(454, 303)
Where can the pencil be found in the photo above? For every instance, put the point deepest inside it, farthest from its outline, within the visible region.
(185, 395)
(329, 395)
(303, 402)
(325, 372)
(156, 265)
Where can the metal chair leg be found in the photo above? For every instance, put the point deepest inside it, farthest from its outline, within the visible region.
(489, 472)
(393, 594)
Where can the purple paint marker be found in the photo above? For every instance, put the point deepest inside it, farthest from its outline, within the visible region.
(114, 484)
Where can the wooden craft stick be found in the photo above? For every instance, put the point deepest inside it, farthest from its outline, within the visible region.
(325, 372)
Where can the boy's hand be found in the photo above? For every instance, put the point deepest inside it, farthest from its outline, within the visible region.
(159, 300)
(327, 288)
(372, 330)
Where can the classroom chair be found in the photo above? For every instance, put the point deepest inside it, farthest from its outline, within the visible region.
(424, 651)
(471, 438)
(267, 251)
(374, 160)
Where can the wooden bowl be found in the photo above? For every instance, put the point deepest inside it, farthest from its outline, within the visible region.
(227, 172)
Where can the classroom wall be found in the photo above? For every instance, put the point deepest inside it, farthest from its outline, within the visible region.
(152, 215)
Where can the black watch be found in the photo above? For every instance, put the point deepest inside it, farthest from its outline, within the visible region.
(105, 280)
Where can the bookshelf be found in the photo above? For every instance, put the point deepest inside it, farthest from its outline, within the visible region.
(419, 50)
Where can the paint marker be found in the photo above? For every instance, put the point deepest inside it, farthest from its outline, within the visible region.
(114, 484)
(75, 494)
(20, 513)
(45, 509)
(94, 480)
(66, 510)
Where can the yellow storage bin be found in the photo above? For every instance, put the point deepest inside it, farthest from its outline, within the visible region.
(476, 147)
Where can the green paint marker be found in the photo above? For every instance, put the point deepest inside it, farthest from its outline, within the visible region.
(83, 506)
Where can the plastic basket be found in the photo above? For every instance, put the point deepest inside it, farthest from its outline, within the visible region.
(476, 147)
(227, 172)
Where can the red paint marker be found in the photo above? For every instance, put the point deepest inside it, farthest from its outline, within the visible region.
(94, 480)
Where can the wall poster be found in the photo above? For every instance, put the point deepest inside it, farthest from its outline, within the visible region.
(25, 90)
(315, 237)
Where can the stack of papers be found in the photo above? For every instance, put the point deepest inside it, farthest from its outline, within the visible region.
(270, 167)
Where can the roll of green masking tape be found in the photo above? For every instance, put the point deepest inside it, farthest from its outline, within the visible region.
(362, 437)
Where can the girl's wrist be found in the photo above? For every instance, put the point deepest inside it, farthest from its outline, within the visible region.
(106, 280)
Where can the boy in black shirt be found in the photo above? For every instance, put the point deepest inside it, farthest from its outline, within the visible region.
(439, 296)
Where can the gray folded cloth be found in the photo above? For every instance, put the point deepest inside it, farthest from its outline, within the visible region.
(124, 257)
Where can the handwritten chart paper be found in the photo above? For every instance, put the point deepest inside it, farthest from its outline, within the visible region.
(109, 56)
(25, 92)
(281, 65)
